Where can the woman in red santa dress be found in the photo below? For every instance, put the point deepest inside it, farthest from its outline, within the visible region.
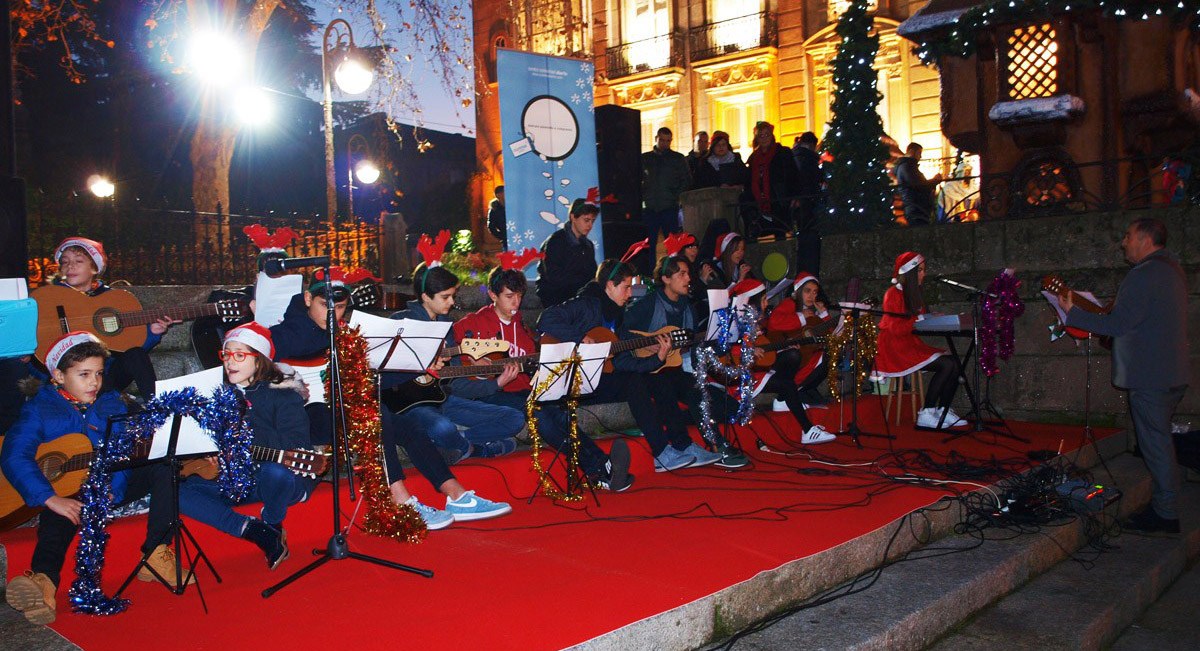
(901, 351)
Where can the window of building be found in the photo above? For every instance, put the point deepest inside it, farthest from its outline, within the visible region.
(737, 24)
(737, 115)
(1031, 62)
(646, 30)
(558, 27)
(653, 120)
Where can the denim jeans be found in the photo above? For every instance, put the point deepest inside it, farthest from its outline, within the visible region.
(420, 449)
(554, 426)
(483, 422)
(275, 486)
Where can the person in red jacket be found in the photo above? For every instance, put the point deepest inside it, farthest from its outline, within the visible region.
(900, 351)
(804, 311)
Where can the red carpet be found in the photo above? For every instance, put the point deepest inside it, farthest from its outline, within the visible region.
(545, 576)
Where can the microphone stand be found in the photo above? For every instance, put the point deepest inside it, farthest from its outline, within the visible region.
(337, 548)
(855, 432)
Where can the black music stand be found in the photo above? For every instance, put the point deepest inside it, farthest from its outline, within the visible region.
(337, 547)
(177, 533)
(576, 478)
(976, 415)
(855, 432)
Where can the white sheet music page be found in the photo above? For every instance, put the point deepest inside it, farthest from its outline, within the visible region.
(272, 295)
(192, 438)
(414, 351)
(1062, 315)
(552, 355)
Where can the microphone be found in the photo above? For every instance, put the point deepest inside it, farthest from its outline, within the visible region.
(275, 267)
(967, 288)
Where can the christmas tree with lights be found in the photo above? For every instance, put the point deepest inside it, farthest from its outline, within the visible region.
(860, 194)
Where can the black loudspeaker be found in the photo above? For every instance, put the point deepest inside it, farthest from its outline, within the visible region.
(14, 252)
(618, 158)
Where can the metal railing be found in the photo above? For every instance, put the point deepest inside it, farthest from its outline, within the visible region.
(644, 56)
(733, 35)
(171, 247)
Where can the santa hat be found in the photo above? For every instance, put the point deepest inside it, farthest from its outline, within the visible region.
(92, 247)
(676, 242)
(65, 343)
(906, 262)
(338, 277)
(432, 250)
(747, 287)
(801, 278)
(634, 249)
(254, 335)
(518, 261)
(723, 243)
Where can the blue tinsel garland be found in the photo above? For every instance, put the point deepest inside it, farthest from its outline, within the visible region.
(222, 416)
(708, 362)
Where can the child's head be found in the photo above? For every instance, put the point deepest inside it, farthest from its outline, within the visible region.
(246, 355)
(583, 217)
(674, 275)
(506, 288)
(806, 289)
(616, 278)
(315, 296)
(80, 261)
(752, 291)
(731, 250)
(436, 287)
(76, 363)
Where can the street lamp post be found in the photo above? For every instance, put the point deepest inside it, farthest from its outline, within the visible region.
(357, 144)
(350, 80)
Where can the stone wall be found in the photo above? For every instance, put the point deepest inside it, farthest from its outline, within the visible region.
(1044, 381)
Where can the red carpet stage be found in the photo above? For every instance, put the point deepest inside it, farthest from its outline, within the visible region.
(547, 576)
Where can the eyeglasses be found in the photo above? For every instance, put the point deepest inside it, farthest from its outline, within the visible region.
(236, 355)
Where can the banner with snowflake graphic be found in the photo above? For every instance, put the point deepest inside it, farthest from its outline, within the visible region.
(548, 133)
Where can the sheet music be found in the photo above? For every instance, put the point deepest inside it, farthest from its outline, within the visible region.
(192, 438)
(1062, 315)
(272, 296)
(551, 355)
(415, 349)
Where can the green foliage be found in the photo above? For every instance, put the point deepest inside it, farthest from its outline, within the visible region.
(859, 189)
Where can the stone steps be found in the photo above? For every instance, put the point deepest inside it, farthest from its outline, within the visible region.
(912, 604)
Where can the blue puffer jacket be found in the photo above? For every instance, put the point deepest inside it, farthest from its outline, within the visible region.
(276, 414)
(44, 418)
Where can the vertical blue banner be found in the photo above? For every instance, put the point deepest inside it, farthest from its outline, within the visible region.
(548, 132)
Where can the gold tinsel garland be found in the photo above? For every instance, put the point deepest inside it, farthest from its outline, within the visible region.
(867, 334)
(549, 488)
(384, 517)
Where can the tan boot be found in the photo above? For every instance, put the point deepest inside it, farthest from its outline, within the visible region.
(162, 559)
(33, 595)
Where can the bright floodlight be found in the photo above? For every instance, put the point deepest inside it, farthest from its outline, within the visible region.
(253, 106)
(215, 58)
(100, 186)
(366, 172)
(353, 77)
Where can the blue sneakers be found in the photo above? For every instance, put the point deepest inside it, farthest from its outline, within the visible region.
(434, 519)
(703, 457)
(671, 459)
(470, 506)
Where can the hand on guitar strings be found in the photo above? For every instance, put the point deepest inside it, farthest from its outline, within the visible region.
(162, 324)
(1065, 300)
(510, 373)
(66, 507)
(664, 346)
(437, 365)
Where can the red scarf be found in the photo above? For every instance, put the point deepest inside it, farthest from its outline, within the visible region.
(760, 177)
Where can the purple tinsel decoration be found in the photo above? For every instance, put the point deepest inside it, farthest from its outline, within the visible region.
(222, 416)
(997, 317)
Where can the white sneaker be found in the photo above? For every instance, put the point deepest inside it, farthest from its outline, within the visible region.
(816, 435)
(928, 418)
(779, 405)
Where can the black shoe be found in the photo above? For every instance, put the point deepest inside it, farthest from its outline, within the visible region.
(615, 476)
(271, 540)
(1148, 521)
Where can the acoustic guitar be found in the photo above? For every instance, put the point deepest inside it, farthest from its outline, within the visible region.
(115, 317)
(1056, 285)
(64, 462)
(640, 344)
(428, 390)
(808, 345)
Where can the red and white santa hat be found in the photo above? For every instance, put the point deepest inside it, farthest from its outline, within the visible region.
(906, 262)
(747, 287)
(92, 247)
(801, 278)
(65, 343)
(723, 243)
(254, 335)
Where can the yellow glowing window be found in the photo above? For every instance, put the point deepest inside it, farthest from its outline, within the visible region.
(1032, 54)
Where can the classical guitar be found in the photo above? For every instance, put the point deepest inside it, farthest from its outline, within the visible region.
(115, 317)
(770, 343)
(1057, 286)
(427, 389)
(640, 344)
(65, 462)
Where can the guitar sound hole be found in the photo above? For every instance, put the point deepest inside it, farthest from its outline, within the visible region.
(51, 466)
(107, 322)
(425, 380)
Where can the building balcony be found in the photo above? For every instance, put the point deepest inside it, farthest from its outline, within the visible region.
(733, 35)
(646, 55)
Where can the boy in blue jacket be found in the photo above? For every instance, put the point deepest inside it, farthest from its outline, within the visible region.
(75, 403)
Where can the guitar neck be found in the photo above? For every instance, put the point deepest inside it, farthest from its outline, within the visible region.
(260, 453)
(180, 313)
(1084, 303)
(84, 459)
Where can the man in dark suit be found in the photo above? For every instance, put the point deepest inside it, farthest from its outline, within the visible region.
(1148, 324)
